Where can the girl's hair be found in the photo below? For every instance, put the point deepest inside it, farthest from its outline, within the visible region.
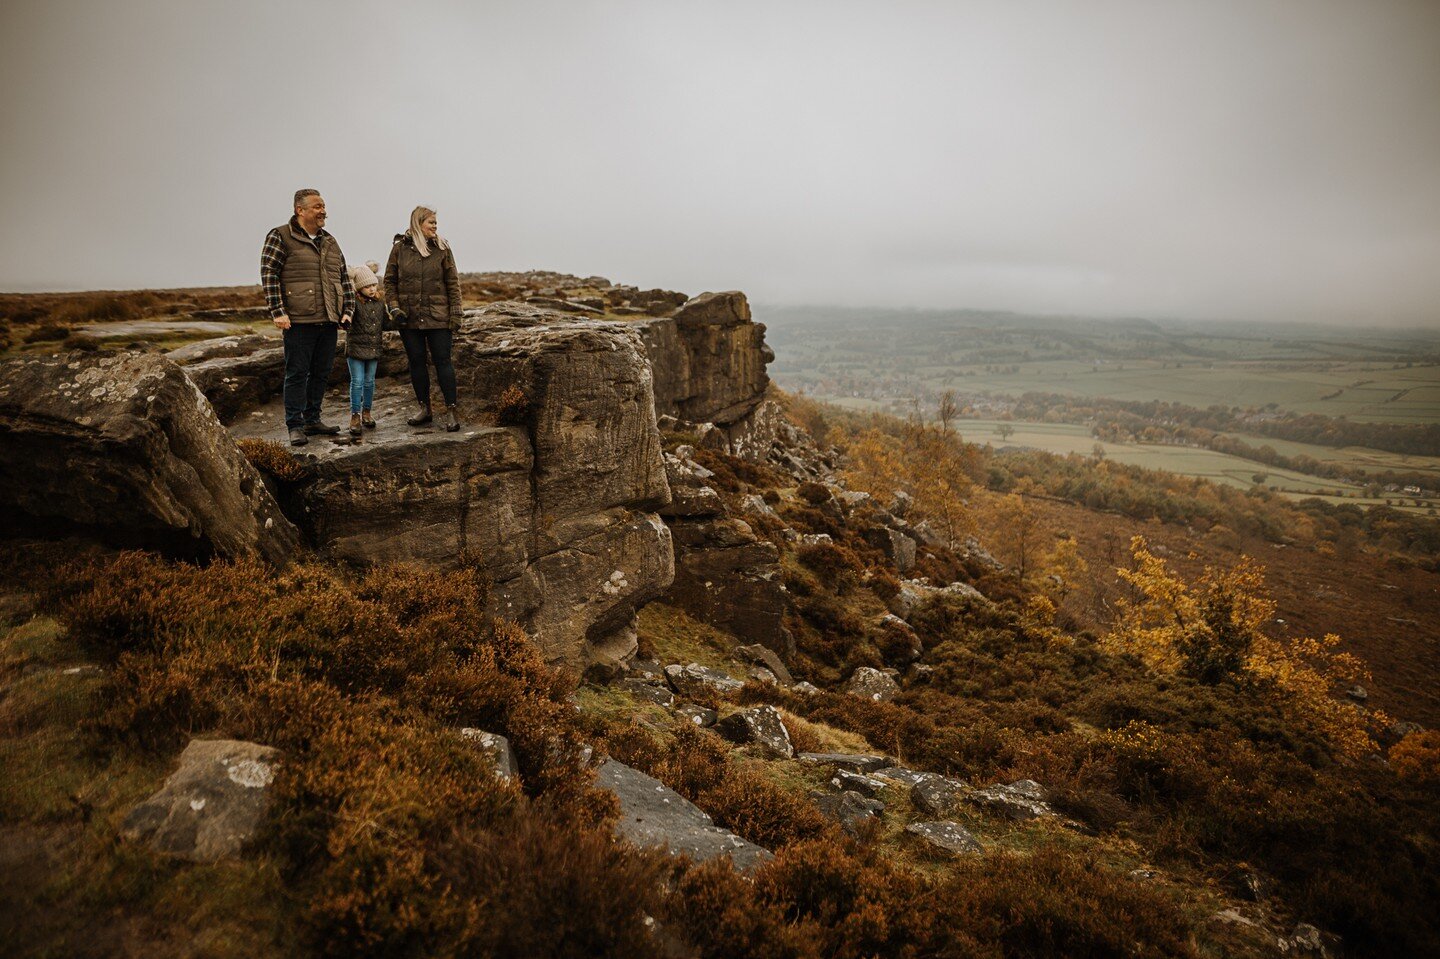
(417, 216)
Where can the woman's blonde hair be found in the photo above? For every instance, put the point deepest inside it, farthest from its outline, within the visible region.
(418, 216)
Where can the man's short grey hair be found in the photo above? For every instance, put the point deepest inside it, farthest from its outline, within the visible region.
(302, 195)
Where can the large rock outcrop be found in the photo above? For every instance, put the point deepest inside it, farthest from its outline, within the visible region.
(709, 360)
(557, 508)
(122, 447)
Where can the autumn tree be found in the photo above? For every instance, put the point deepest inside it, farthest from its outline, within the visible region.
(1214, 630)
(1019, 530)
(949, 409)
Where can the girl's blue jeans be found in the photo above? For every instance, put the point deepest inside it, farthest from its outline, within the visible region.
(362, 383)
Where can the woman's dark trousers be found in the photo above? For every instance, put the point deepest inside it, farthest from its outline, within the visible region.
(438, 342)
(309, 354)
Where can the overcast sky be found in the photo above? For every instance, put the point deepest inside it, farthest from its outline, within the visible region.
(1247, 159)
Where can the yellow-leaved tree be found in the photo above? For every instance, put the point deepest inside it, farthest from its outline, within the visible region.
(1214, 629)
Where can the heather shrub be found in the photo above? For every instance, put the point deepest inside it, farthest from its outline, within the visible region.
(273, 459)
(512, 407)
(48, 330)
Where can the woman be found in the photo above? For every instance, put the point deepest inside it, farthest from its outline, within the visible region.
(424, 287)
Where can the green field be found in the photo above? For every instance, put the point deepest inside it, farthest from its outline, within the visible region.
(1370, 394)
(1233, 471)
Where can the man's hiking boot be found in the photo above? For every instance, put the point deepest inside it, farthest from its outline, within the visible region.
(354, 424)
(298, 437)
(421, 417)
(318, 428)
(452, 422)
(366, 420)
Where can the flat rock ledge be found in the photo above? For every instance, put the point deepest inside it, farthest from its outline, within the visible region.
(946, 836)
(655, 816)
(212, 805)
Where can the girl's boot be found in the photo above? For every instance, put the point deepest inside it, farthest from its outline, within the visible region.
(421, 417)
(452, 422)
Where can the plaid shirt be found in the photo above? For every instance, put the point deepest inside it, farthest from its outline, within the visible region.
(272, 261)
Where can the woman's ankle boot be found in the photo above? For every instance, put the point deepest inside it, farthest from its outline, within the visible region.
(452, 422)
(422, 416)
(354, 424)
(366, 420)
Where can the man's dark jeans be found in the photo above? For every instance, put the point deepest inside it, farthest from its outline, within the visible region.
(309, 355)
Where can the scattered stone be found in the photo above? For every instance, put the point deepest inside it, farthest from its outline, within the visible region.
(701, 716)
(948, 836)
(1357, 693)
(860, 783)
(856, 498)
(851, 809)
(870, 683)
(1233, 917)
(901, 503)
(1252, 887)
(653, 815)
(762, 725)
(938, 796)
(765, 656)
(84, 671)
(816, 539)
(648, 692)
(898, 549)
(688, 680)
(903, 775)
(805, 688)
(754, 503)
(855, 762)
(762, 675)
(646, 669)
(1144, 875)
(500, 750)
(915, 593)
(212, 805)
(1307, 940)
(919, 673)
(1023, 799)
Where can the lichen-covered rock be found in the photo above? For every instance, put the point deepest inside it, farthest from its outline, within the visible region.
(855, 762)
(870, 683)
(761, 725)
(898, 549)
(694, 678)
(648, 692)
(212, 805)
(653, 815)
(1023, 799)
(499, 749)
(123, 448)
(849, 808)
(858, 782)
(701, 716)
(938, 796)
(946, 836)
(915, 593)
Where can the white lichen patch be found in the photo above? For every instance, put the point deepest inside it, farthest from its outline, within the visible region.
(250, 773)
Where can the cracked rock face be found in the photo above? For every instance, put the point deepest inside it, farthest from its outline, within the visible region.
(212, 805)
(123, 448)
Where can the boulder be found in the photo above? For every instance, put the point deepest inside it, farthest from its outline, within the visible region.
(945, 836)
(915, 593)
(870, 683)
(694, 678)
(938, 796)
(851, 809)
(653, 815)
(121, 447)
(507, 766)
(854, 762)
(212, 805)
(729, 578)
(805, 688)
(715, 309)
(860, 783)
(898, 549)
(648, 692)
(761, 725)
(689, 496)
(698, 715)
(1023, 799)
(766, 657)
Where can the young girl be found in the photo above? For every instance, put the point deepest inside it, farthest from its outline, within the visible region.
(362, 346)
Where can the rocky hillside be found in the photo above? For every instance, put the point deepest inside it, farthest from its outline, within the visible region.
(631, 665)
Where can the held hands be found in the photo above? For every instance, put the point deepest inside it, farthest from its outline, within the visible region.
(282, 322)
(345, 322)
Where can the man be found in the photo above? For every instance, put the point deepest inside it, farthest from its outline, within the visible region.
(309, 294)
